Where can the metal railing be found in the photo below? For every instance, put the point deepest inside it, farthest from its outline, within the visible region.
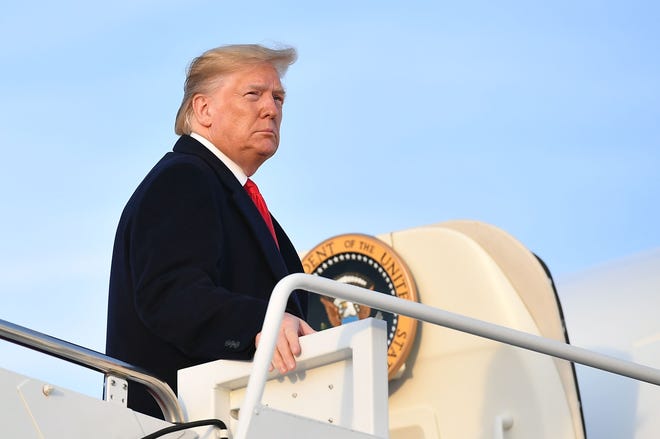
(161, 391)
(385, 302)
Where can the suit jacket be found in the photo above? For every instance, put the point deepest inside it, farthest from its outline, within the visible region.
(193, 267)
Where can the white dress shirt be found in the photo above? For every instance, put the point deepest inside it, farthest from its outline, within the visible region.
(233, 167)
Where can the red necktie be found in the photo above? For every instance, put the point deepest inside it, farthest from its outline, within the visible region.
(253, 192)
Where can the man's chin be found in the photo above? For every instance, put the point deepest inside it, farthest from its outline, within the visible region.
(260, 156)
(267, 151)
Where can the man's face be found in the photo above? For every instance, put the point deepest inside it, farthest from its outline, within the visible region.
(245, 114)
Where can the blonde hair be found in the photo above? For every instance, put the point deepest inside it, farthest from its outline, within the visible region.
(205, 70)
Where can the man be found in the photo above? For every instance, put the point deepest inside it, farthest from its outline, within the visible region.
(194, 260)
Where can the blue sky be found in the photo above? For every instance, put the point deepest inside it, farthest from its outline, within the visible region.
(539, 118)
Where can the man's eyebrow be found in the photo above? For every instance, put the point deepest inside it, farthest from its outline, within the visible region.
(262, 87)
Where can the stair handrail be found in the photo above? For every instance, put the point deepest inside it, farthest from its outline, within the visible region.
(159, 390)
(385, 302)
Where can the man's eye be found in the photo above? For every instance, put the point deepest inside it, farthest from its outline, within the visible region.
(279, 99)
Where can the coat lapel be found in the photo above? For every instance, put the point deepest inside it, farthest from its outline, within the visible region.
(261, 232)
(244, 204)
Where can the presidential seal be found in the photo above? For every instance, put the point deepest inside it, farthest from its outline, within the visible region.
(369, 263)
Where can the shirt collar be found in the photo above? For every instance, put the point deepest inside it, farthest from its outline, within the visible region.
(233, 167)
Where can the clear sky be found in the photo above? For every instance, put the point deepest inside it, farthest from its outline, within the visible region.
(541, 118)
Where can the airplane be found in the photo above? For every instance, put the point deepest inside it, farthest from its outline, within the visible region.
(611, 308)
(433, 381)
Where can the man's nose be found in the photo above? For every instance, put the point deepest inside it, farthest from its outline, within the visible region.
(270, 107)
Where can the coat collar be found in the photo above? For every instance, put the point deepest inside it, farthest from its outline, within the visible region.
(244, 204)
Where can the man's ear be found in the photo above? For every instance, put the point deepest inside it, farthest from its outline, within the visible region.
(201, 109)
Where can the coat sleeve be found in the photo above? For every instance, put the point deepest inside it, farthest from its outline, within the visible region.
(176, 244)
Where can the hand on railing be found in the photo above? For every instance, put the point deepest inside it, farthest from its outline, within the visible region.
(287, 347)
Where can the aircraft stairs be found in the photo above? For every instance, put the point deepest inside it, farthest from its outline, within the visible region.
(339, 389)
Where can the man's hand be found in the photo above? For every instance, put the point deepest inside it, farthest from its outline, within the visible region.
(288, 345)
